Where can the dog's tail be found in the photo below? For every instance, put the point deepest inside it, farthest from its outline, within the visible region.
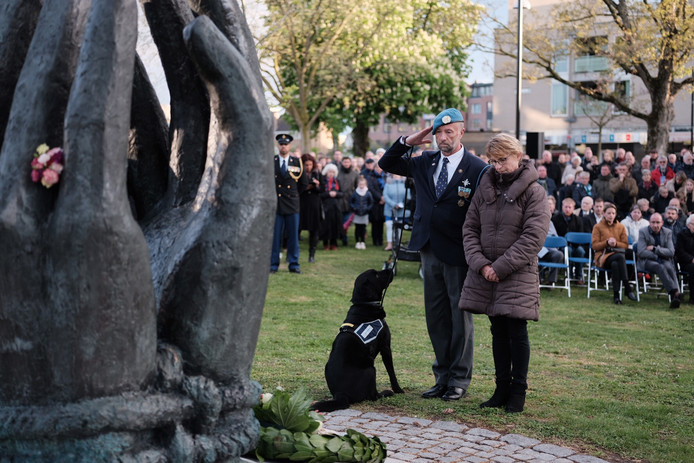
(340, 402)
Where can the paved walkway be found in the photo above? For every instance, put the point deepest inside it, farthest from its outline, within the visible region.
(416, 440)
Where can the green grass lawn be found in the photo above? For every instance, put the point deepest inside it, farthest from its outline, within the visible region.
(609, 380)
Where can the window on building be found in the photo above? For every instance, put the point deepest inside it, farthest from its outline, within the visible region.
(490, 113)
(560, 99)
(589, 58)
(475, 124)
(476, 108)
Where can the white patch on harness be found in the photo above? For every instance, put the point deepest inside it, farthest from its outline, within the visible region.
(369, 331)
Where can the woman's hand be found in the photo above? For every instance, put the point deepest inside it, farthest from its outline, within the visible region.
(489, 274)
(612, 242)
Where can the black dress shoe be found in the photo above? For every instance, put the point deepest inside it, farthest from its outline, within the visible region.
(294, 270)
(437, 391)
(631, 295)
(453, 393)
(617, 300)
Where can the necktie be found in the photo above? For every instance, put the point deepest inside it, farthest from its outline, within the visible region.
(284, 167)
(443, 179)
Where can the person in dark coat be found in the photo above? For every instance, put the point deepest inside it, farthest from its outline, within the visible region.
(290, 181)
(446, 181)
(331, 197)
(684, 253)
(310, 213)
(375, 181)
(505, 228)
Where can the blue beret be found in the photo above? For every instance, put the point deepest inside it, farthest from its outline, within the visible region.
(447, 116)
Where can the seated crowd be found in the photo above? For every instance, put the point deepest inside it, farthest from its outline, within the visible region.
(643, 210)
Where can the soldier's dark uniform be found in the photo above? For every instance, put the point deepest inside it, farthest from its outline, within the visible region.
(288, 185)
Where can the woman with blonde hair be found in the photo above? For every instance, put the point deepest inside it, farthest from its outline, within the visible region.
(686, 196)
(504, 230)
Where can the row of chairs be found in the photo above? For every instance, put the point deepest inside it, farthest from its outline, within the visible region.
(597, 278)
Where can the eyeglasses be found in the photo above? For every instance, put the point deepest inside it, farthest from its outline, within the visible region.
(498, 162)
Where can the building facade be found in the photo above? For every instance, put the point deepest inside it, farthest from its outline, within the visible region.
(566, 118)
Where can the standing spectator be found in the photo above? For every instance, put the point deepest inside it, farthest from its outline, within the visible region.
(587, 164)
(347, 178)
(687, 165)
(656, 254)
(601, 185)
(444, 194)
(583, 187)
(310, 212)
(573, 168)
(331, 196)
(290, 181)
(684, 252)
(661, 199)
(590, 220)
(545, 182)
(686, 196)
(567, 190)
(677, 182)
(647, 187)
(637, 169)
(633, 223)
(376, 181)
(505, 228)
(672, 222)
(394, 196)
(361, 203)
(624, 190)
(662, 172)
(610, 242)
(608, 160)
(554, 170)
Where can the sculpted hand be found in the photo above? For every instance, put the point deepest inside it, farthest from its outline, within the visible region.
(419, 138)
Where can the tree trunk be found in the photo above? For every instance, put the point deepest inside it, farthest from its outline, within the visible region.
(360, 138)
(659, 122)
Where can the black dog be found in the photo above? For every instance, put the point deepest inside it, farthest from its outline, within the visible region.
(350, 371)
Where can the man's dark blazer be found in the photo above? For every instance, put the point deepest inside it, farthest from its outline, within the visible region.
(288, 189)
(437, 221)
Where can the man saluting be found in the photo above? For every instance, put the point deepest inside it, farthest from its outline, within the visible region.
(445, 181)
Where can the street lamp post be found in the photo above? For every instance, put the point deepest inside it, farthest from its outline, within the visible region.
(519, 67)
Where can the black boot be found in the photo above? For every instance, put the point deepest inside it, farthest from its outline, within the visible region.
(617, 299)
(312, 255)
(500, 396)
(516, 399)
(629, 290)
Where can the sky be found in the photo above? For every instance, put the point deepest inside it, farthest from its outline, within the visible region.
(483, 63)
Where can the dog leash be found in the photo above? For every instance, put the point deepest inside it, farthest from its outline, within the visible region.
(408, 154)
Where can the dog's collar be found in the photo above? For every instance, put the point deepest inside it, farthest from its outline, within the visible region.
(374, 303)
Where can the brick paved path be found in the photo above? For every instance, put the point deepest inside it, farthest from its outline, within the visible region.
(416, 440)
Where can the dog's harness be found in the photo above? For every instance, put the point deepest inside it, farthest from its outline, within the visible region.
(366, 332)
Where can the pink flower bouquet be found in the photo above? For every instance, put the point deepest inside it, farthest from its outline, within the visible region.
(47, 165)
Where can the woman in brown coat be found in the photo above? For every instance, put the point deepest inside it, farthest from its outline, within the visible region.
(504, 229)
(610, 243)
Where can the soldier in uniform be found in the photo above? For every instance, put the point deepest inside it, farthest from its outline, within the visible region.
(290, 181)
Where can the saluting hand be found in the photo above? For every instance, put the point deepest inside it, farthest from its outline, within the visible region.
(419, 138)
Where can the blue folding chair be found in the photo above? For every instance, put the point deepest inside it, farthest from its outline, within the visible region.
(561, 244)
(579, 239)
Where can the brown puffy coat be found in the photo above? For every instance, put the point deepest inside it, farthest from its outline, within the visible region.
(601, 233)
(505, 227)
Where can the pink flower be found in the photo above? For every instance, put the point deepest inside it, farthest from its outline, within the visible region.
(56, 154)
(43, 159)
(49, 178)
(35, 164)
(35, 175)
(56, 166)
